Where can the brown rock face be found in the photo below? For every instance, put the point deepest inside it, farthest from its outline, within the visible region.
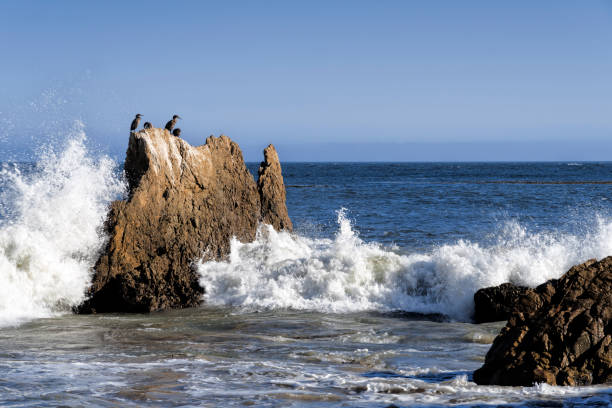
(565, 340)
(498, 302)
(272, 191)
(185, 203)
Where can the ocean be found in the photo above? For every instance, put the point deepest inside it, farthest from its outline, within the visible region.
(368, 303)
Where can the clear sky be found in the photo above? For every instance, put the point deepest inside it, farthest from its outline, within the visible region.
(328, 80)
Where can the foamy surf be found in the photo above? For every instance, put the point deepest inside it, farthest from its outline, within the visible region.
(50, 233)
(345, 274)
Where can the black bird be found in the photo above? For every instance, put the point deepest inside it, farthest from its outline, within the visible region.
(135, 122)
(177, 132)
(171, 123)
(148, 125)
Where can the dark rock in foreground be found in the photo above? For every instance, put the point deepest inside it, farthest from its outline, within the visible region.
(185, 203)
(565, 340)
(497, 303)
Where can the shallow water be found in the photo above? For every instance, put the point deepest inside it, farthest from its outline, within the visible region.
(367, 303)
(221, 357)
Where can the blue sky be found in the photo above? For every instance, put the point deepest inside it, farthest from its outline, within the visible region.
(341, 80)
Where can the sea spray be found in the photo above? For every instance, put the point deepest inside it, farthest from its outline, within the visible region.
(50, 233)
(345, 274)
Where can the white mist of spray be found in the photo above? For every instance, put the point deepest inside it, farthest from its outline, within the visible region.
(52, 234)
(345, 274)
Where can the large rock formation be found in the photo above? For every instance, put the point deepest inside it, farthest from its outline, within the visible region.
(184, 203)
(498, 302)
(565, 339)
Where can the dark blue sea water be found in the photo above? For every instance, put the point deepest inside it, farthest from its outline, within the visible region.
(303, 319)
(418, 205)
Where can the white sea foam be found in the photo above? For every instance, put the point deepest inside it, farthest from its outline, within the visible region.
(346, 274)
(50, 232)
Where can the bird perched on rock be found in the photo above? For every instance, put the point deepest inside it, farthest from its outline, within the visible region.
(171, 123)
(148, 125)
(177, 132)
(135, 122)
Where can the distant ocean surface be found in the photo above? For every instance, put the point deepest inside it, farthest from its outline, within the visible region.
(367, 304)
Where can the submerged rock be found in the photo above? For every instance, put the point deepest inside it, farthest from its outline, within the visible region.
(184, 203)
(566, 338)
(496, 303)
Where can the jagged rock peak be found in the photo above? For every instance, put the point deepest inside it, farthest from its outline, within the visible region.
(185, 203)
(271, 189)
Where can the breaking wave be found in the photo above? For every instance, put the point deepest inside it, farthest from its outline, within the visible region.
(50, 236)
(50, 229)
(346, 274)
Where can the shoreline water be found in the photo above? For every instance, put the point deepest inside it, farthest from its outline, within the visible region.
(217, 357)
